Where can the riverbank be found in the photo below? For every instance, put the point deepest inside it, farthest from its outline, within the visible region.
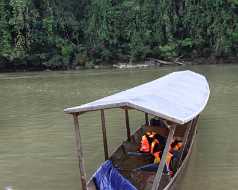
(65, 36)
(28, 66)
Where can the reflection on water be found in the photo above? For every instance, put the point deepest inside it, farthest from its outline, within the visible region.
(37, 149)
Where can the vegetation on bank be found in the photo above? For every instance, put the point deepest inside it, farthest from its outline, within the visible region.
(64, 34)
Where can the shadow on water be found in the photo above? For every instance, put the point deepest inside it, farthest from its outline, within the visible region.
(37, 148)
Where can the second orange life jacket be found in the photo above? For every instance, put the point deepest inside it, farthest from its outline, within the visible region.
(175, 146)
(178, 146)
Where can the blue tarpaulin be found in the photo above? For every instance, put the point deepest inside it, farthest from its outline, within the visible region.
(108, 178)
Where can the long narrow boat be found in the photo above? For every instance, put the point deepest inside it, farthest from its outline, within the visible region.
(176, 100)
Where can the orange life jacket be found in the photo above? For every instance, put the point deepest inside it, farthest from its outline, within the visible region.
(145, 145)
(175, 146)
(146, 141)
(178, 146)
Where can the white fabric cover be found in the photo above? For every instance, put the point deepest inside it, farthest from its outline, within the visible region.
(177, 97)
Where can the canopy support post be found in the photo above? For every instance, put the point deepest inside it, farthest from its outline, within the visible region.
(146, 119)
(80, 152)
(127, 125)
(104, 133)
(159, 173)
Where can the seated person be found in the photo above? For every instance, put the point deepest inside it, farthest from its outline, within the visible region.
(150, 138)
(155, 143)
(176, 145)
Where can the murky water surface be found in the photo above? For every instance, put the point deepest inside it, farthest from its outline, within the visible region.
(37, 148)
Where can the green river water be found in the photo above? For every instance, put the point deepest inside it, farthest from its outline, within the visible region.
(37, 145)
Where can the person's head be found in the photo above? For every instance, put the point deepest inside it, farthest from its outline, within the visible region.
(150, 134)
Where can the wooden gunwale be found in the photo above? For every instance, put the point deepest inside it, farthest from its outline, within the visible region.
(185, 140)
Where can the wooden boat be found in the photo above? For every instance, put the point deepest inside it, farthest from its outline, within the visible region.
(176, 100)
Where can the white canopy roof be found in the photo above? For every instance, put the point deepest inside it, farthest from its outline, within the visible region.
(177, 97)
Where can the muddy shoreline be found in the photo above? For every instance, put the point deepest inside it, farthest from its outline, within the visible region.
(29, 67)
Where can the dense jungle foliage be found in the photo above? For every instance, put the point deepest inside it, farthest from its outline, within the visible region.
(63, 34)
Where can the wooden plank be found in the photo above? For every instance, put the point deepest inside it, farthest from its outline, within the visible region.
(80, 152)
(159, 173)
(104, 134)
(185, 140)
(127, 108)
(127, 125)
(146, 119)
